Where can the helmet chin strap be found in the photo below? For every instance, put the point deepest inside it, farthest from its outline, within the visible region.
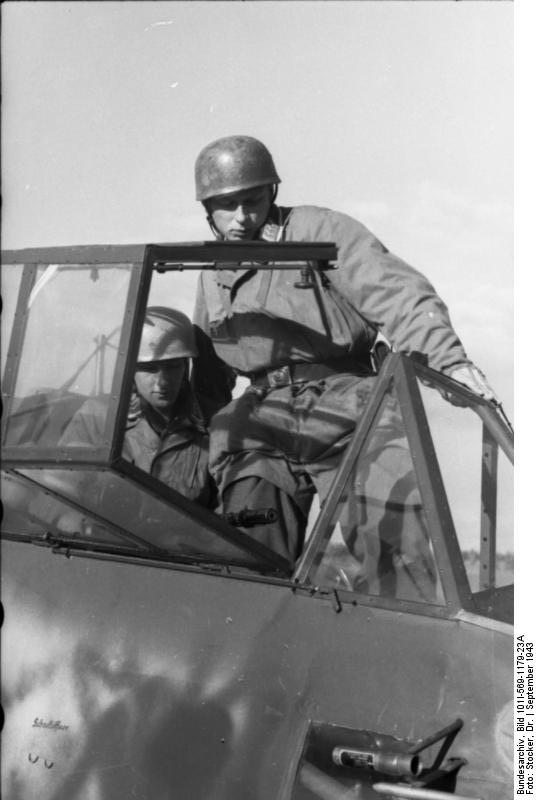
(213, 228)
(218, 234)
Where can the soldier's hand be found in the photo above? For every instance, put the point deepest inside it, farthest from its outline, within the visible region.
(475, 380)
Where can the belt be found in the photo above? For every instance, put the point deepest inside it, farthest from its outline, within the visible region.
(302, 372)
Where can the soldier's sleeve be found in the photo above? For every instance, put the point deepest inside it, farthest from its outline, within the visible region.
(395, 295)
(212, 379)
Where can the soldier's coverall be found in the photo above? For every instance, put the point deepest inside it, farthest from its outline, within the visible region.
(176, 453)
(269, 445)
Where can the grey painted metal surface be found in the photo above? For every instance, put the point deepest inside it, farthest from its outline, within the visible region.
(135, 681)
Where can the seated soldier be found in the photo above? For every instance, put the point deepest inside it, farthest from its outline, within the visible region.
(165, 435)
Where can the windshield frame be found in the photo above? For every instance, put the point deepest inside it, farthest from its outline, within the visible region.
(30, 260)
(401, 372)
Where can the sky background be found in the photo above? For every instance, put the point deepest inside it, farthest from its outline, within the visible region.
(398, 113)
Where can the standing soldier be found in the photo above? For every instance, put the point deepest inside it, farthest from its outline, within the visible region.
(309, 367)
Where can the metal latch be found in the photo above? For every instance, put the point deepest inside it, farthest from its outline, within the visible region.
(249, 517)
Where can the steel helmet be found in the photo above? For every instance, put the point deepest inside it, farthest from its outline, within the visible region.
(231, 164)
(166, 334)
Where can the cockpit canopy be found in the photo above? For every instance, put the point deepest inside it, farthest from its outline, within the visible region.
(73, 319)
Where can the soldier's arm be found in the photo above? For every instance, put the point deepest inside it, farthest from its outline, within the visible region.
(212, 379)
